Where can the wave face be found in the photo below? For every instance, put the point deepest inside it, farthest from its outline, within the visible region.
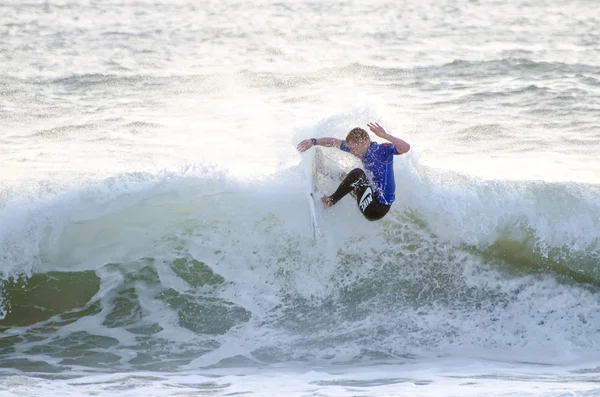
(194, 269)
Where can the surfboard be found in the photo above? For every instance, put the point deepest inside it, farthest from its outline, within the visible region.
(325, 174)
(314, 196)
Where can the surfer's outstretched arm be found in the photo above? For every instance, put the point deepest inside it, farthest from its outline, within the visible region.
(308, 143)
(401, 145)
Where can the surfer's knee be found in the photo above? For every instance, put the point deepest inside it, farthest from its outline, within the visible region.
(356, 174)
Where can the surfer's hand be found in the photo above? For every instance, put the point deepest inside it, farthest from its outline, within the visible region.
(327, 202)
(377, 130)
(304, 145)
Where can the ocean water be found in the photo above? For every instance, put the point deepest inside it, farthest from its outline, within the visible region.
(155, 235)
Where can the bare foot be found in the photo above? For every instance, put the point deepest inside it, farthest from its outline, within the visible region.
(327, 202)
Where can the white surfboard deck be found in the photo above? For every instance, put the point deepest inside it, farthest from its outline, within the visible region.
(316, 230)
(314, 197)
(324, 176)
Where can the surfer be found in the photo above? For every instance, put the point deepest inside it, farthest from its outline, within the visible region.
(374, 189)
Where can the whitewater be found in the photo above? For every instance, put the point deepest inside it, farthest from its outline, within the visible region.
(155, 235)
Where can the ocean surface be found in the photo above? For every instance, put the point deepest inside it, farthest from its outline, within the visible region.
(155, 234)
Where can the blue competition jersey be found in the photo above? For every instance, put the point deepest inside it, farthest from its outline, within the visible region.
(379, 165)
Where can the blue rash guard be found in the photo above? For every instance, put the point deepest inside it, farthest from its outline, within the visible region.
(378, 161)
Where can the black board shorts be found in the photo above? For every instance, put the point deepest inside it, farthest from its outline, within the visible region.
(357, 184)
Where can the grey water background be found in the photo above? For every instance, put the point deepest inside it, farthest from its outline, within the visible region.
(153, 220)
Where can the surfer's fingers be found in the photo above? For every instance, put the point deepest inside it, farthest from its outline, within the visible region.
(302, 146)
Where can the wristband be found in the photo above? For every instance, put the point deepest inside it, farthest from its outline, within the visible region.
(314, 141)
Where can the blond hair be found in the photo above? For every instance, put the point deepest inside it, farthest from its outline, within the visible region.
(357, 135)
